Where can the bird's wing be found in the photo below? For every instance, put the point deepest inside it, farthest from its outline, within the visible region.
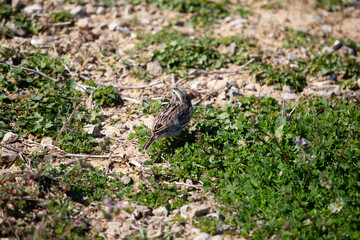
(166, 118)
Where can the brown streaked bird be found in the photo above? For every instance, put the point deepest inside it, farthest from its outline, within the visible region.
(173, 117)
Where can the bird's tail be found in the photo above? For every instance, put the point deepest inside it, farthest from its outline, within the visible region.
(149, 142)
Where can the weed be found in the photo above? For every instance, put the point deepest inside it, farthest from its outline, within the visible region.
(250, 180)
(107, 96)
(61, 17)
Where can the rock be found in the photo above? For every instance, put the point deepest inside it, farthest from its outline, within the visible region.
(348, 50)
(78, 11)
(192, 210)
(33, 9)
(327, 50)
(331, 77)
(177, 229)
(100, 10)
(47, 141)
(112, 26)
(154, 68)
(337, 45)
(327, 86)
(92, 130)
(216, 216)
(222, 228)
(16, 4)
(194, 231)
(216, 85)
(234, 92)
(141, 211)
(127, 180)
(7, 157)
(238, 22)
(113, 229)
(161, 212)
(325, 94)
(83, 23)
(37, 41)
(196, 197)
(250, 87)
(217, 237)
(196, 84)
(155, 228)
(291, 57)
(90, 9)
(222, 95)
(327, 28)
(10, 138)
(123, 29)
(202, 236)
(287, 89)
(289, 96)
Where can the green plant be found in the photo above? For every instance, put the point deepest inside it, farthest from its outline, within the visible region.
(264, 165)
(107, 96)
(61, 17)
(8, 15)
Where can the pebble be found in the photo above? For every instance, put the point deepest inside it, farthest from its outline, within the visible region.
(218, 216)
(202, 236)
(217, 237)
(327, 28)
(10, 138)
(234, 92)
(161, 212)
(192, 210)
(113, 229)
(291, 57)
(47, 141)
(112, 26)
(155, 228)
(127, 180)
(141, 211)
(154, 68)
(82, 23)
(289, 96)
(287, 89)
(92, 130)
(37, 41)
(78, 11)
(7, 157)
(33, 9)
(250, 87)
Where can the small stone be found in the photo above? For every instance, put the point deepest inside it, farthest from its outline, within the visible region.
(217, 85)
(177, 229)
(287, 89)
(327, 28)
(154, 68)
(113, 229)
(222, 228)
(47, 141)
(90, 9)
(192, 210)
(331, 77)
(78, 11)
(234, 92)
(337, 45)
(325, 94)
(217, 237)
(16, 4)
(155, 228)
(127, 180)
(7, 157)
(196, 197)
(100, 10)
(82, 23)
(217, 216)
(141, 211)
(196, 84)
(161, 212)
(37, 41)
(92, 130)
(250, 87)
(33, 9)
(202, 236)
(112, 26)
(348, 50)
(291, 57)
(222, 95)
(10, 138)
(123, 29)
(327, 50)
(289, 96)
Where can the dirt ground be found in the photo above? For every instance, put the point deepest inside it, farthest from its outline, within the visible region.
(97, 28)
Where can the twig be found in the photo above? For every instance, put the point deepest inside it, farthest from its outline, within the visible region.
(142, 86)
(198, 72)
(66, 67)
(10, 148)
(91, 97)
(29, 69)
(131, 100)
(343, 150)
(75, 222)
(60, 24)
(87, 156)
(184, 184)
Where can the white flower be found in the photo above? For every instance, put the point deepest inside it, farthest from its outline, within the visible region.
(337, 205)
